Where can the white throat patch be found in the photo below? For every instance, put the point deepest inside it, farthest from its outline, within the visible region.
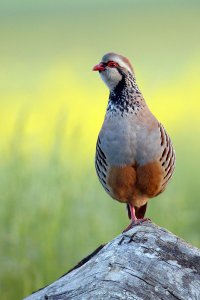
(111, 77)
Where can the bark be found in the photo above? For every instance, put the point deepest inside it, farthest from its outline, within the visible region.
(146, 262)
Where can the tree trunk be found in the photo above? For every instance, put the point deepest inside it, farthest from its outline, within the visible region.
(146, 262)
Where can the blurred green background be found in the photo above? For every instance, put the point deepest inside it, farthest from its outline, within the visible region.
(53, 209)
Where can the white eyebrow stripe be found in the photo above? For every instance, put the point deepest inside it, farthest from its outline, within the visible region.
(122, 64)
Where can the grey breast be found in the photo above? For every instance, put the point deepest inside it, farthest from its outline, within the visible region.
(126, 140)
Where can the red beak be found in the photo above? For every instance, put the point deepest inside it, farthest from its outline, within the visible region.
(99, 67)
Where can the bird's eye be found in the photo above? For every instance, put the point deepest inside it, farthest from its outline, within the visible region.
(112, 64)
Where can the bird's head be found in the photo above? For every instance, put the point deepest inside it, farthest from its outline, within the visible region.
(112, 68)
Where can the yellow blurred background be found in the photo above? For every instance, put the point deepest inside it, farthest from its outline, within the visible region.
(53, 209)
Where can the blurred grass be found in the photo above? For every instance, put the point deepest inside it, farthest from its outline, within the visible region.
(53, 209)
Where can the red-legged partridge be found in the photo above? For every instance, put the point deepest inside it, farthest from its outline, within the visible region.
(134, 155)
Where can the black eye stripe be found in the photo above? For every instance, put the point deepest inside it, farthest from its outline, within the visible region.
(106, 64)
(103, 64)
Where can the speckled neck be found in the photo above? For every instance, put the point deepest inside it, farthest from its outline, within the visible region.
(126, 97)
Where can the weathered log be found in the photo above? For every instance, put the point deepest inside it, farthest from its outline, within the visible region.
(146, 262)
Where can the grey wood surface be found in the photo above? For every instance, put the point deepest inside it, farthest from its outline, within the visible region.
(146, 262)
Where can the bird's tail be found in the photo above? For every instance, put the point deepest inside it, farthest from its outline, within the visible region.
(140, 211)
(129, 211)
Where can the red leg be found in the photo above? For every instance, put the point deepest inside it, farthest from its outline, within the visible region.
(132, 211)
(134, 219)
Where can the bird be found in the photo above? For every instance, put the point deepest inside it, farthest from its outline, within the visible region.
(135, 158)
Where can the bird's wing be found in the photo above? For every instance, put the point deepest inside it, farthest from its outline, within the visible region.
(101, 164)
(168, 157)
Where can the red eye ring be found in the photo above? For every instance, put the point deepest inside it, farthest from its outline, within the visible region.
(112, 64)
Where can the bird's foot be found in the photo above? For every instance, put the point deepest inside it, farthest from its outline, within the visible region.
(136, 222)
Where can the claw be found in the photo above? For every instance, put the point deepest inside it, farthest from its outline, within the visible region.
(136, 222)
